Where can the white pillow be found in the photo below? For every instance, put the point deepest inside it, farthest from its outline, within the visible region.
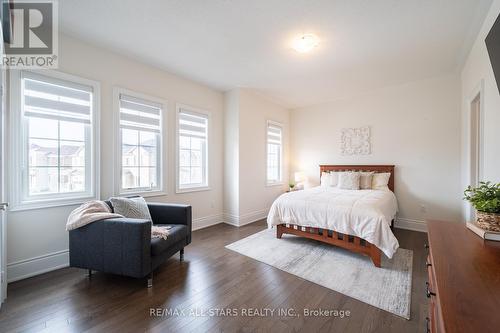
(330, 179)
(326, 179)
(349, 180)
(335, 178)
(380, 181)
(365, 180)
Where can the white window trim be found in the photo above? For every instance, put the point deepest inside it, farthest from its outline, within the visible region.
(281, 181)
(117, 165)
(17, 136)
(206, 187)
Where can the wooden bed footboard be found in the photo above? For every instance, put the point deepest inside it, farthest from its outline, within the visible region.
(348, 242)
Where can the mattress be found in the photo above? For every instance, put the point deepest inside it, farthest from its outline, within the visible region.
(363, 213)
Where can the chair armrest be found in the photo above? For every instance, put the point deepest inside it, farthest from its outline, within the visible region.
(166, 213)
(119, 246)
(163, 213)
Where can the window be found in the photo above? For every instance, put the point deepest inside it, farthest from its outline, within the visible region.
(140, 142)
(192, 149)
(274, 152)
(54, 139)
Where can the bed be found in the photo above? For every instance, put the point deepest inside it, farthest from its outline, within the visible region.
(356, 220)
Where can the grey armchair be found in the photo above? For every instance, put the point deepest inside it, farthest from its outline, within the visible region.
(124, 246)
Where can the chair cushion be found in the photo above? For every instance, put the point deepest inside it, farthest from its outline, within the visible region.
(177, 233)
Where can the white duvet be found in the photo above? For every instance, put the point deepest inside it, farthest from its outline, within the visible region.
(363, 213)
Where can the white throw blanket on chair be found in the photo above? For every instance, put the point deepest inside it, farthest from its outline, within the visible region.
(89, 212)
(159, 232)
(96, 210)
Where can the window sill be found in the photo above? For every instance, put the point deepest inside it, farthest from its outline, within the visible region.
(144, 194)
(192, 189)
(275, 184)
(43, 204)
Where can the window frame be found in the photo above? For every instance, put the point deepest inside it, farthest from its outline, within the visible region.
(208, 114)
(280, 181)
(162, 165)
(19, 197)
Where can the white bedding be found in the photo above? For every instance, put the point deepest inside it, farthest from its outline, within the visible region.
(363, 213)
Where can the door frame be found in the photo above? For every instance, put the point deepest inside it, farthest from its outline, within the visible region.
(479, 163)
(3, 165)
(3, 214)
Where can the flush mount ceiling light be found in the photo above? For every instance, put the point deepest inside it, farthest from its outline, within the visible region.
(305, 43)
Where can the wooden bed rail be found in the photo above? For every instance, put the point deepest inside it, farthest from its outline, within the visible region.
(348, 242)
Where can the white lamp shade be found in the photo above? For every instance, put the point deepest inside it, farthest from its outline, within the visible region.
(299, 176)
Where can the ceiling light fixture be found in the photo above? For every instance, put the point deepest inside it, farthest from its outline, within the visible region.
(305, 43)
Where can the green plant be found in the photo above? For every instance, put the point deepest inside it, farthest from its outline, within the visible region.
(485, 197)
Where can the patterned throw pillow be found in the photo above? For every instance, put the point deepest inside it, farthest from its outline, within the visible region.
(134, 208)
(365, 180)
(349, 180)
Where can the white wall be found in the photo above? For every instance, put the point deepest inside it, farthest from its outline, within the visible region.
(37, 239)
(415, 126)
(248, 115)
(231, 153)
(477, 71)
(255, 196)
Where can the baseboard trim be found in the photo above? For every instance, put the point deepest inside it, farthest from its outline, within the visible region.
(27, 268)
(24, 269)
(207, 221)
(251, 217)
(244, 219)
(409, 224)
(231, 219)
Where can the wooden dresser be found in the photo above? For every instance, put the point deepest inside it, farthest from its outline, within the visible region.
(464, 280)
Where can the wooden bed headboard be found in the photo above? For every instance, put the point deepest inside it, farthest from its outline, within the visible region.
(375, 168)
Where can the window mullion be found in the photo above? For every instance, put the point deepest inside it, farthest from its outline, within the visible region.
(190, 163)
(139, 159)
(58, 156)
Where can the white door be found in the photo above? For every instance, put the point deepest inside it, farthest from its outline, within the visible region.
(3, 204)
(475, 146)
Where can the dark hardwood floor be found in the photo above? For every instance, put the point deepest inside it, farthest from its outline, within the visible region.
(211, 277)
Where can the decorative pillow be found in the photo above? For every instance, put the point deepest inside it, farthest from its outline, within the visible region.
(380, 181)
(349, 180)
(335, 178)
(326, 179)
(330, 178)
(365, 180)
(135, 208)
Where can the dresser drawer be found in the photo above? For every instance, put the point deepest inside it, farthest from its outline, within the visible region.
(430, 291)
(431, 319)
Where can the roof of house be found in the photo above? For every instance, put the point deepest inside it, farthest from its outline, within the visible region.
(65, 150)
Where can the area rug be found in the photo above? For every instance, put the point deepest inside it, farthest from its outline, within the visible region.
(387, 288)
